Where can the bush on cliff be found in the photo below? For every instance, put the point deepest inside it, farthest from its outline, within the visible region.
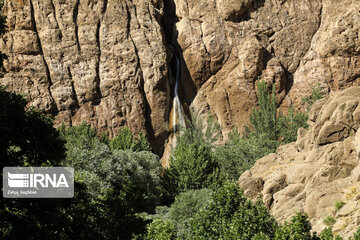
(266, 130)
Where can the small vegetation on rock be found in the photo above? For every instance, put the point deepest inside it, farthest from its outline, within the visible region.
(327, 234)
(356, 235)
(339, 204)
(329, 220)
(317, 93)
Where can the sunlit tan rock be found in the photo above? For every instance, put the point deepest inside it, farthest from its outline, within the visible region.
(322, 167)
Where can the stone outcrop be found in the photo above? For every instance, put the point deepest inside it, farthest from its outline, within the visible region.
(319, 169)
(106, 61)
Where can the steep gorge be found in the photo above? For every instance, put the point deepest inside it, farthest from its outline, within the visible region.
(107, 61)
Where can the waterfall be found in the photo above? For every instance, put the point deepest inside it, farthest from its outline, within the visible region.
(178, 114)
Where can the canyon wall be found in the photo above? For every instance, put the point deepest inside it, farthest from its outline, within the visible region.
(108, 62)
(103, 62)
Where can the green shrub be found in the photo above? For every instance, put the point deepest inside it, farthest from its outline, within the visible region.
(326, 234)
(239, 154)
(263, 120)
(289, 124)
(115, 186)
(192, 164)
(317, 93)
(182, 211)
(262, 136)
(159, 229)
(186, 204)
(266, 122)
(339, 204)
(297, 229)
(260, 236)
(231, 216)
(125, 140)
(329, 220)
(185, 207)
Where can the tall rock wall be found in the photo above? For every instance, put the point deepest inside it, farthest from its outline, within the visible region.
(229, 45)
(107, 62)
(103, 62)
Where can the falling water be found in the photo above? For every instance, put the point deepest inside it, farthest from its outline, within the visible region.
(178, 115)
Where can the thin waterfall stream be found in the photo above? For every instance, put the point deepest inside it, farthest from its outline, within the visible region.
(177, 121)
(178, 111)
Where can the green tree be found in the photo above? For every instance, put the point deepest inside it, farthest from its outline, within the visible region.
(28, 139)
(266, 130)
(297, 229)
(239, 154)
(159, 229)
(263, 120)
(180, 213)
(126, 140)
(266, 121)
(192, 164)
(289, 124)
(185, 207)
(231, 216)
(117, 185)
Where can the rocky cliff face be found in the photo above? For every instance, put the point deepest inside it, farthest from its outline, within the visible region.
(107, 61)
(292, 44)
(103, 62)
(321, 168)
